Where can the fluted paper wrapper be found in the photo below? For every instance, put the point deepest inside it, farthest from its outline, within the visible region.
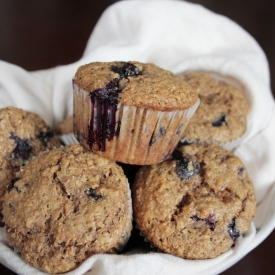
(231, 146)
(141, 136)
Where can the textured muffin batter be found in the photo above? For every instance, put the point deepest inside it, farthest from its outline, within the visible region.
(22, 135)
(143, 86)
(221, 116)
(195, 205)
(66, 205)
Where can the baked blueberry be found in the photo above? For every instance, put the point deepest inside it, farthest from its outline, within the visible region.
(219, 121)
(92, 193)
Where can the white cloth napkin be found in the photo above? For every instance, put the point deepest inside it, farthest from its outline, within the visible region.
(177, 36)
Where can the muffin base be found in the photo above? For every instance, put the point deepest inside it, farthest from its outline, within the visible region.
(140, 136)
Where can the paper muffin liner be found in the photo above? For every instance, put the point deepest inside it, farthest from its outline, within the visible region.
(230, 146)
(135, 136)
(68, 139)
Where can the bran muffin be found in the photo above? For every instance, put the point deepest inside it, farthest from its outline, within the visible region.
(131, 112)
(22, 135)
(66, 205)
(196, 204)
(221, 116)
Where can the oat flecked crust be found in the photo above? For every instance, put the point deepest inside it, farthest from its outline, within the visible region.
(155, 89)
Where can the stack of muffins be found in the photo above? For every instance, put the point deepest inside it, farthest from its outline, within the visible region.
(169, 136)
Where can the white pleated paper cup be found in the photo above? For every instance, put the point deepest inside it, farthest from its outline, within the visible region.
(138, 135)
(230, 146)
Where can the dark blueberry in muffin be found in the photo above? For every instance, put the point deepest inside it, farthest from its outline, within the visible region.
(126, 70)
(219, 121)
(102, 125)
(210, 221)
(44, 137)
(108, 93)
(186, 167)
(232, 231)
(91, 192)
(22, 149)
(240, 171)
(11, 186)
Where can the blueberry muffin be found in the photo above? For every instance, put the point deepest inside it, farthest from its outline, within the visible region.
(66, 205)
(131, 112)
(196, 204)
(22, 135)
(221, 116)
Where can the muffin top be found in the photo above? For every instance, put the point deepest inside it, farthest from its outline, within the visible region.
(132, 83)
(221, 115)
(64, 206)
(196, 204)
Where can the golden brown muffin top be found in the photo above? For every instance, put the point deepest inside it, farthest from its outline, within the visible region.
(143, 85)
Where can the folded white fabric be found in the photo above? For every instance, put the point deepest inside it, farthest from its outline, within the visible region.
(177, 36)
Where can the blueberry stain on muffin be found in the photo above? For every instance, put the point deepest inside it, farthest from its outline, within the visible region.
(104, 101)
(23, 147)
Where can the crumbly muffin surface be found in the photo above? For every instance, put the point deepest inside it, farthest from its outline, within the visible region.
(221, 116)
(22, 135)
(64, 206)
(142, 85)
(195, 205)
